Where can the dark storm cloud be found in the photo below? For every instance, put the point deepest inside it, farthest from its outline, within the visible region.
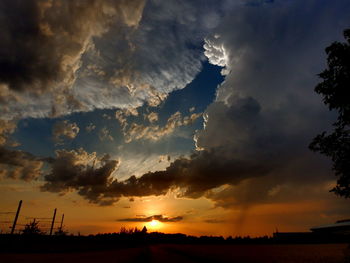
(81, 171)
(266, 107)
(256, 132)
(160, 218)
(58, 57)
(22, 60)
(40, 40)
(16, 164)
(42, 43)
(193, 177)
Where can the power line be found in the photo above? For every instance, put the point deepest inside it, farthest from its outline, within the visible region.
(46, 224)
(33, 217)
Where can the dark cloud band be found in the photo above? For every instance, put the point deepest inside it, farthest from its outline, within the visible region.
(160, 218)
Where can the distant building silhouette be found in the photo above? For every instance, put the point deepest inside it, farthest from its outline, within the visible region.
(341, 227)
(339, 231)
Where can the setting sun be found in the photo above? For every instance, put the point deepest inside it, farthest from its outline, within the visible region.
(154, 224)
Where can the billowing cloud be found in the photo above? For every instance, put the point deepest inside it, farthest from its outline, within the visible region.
(193, 177)
(266, 108)
(42, 47)
(190, 177)
(253, 147)
(160, 218)
(17, 164)
(64, 130)
(59, 57)
(254, 142)
(81, 171)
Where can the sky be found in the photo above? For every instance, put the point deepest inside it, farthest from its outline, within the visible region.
(194, 115)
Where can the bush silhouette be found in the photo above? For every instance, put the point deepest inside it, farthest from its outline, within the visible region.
(32, 228)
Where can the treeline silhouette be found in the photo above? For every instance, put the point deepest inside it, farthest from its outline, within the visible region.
(35, 242)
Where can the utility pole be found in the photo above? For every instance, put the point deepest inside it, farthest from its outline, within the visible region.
(62, 222)
(16, 217)
(53, 220)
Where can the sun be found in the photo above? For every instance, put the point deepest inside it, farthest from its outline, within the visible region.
(154, 224)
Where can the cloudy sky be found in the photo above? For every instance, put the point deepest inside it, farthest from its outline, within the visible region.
(195, 114)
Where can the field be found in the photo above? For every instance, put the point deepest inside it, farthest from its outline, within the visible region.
(168, 253)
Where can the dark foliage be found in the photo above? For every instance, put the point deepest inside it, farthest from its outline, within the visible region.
(335, 89)
(32, 228)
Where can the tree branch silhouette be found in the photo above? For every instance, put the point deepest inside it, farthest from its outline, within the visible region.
(335, 89)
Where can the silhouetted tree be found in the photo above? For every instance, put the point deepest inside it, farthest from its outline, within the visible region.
(125, 231)
(335, 89)
(32, 228)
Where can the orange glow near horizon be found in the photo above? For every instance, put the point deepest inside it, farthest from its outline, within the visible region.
(199, 216)
(154, 224)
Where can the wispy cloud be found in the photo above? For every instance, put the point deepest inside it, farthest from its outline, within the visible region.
(104, 135)
(153, 131)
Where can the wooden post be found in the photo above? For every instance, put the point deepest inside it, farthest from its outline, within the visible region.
(62, 222)
(53, 220)
(16, 217)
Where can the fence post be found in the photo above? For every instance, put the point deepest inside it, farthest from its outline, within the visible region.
(62, 222)
(53, 220)
(16, 217)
